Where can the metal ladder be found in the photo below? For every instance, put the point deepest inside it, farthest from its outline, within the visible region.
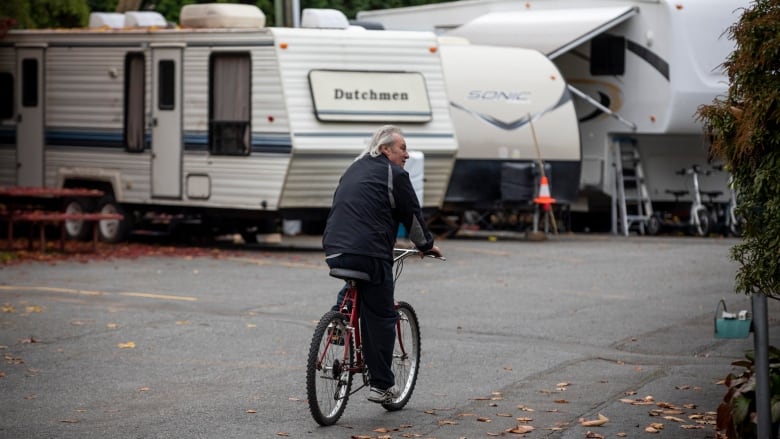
(632, 206)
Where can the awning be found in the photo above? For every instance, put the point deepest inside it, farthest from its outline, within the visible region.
(550, 31)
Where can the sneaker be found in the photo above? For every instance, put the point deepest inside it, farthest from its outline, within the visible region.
(336, 335)
(382, 395)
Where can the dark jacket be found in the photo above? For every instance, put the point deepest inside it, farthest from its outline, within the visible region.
(373, 197)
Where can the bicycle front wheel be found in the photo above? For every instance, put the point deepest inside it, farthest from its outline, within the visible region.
(406, 356)
(328, 379)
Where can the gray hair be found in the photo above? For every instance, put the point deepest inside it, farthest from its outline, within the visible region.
(383, 136)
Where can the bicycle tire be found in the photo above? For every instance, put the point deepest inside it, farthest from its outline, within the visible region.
(703, 228)
(327, 385)
(405, 369)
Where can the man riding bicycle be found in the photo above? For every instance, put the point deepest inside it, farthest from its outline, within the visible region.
(373, 197)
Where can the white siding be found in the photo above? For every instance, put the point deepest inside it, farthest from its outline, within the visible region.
(323, 150)
(85, 87)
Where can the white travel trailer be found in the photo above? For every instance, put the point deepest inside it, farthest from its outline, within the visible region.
(640, 69)
(512, 110)
(222, 118)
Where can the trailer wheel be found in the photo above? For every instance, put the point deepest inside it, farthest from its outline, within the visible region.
(112, 231)
(78, 229)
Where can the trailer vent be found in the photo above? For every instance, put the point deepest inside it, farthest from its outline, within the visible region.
(324, 19)
(222, 15)
(112, 20)
(144, 19)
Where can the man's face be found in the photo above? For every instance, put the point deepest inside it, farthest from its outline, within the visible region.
(396, 153)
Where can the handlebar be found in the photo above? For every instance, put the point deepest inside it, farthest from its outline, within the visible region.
(399, 254)
(694, 169)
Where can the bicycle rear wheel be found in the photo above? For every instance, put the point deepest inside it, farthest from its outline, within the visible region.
(328, 382)
(406, 356)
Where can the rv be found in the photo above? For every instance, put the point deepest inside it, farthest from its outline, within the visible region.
(515, 122)
(639, 70)
(220, 119)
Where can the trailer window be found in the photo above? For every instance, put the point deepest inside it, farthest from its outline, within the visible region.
(229, 104)
(166, 86)
(608, 55)
(6, 95)
(30, 83)
(134, 101)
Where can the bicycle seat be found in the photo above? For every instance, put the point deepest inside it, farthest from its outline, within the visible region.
(676, 193)
(347, 274)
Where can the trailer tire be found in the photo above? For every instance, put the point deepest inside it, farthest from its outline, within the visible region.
(78, 229)
(112, 231)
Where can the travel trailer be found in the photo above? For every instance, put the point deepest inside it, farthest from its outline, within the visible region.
(220, 119)
(512, 112)
(639, 70)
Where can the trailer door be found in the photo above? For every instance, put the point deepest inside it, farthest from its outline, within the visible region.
(29, 116)
(166, 119)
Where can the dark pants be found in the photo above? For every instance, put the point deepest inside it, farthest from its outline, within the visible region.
(377, 314)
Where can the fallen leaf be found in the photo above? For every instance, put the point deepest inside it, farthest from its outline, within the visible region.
(561, 401)
(524, 420)
(525, 408)
(112, 326)
(8, 308)
(448, 422)
(692, 427)
(521, 429)
(143, 389)
(504, 415)
(128, 345)
(595, 422)
(69, 421)
(251, 411)
(33, 308)
(674, 419)
(482, 419)
(283, 433)
(621, 434)
(592, 435)
(651, 430)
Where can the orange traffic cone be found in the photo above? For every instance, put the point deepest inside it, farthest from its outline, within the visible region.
(544, 193)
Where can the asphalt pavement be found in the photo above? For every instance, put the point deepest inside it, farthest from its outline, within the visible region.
(519, 338)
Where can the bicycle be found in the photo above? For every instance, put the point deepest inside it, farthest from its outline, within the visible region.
(698, 217)
(732, 222)
(335, 355)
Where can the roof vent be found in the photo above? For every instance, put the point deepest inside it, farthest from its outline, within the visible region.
(222, 15)
(144, 19)
(112, 20)
(324, 19)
